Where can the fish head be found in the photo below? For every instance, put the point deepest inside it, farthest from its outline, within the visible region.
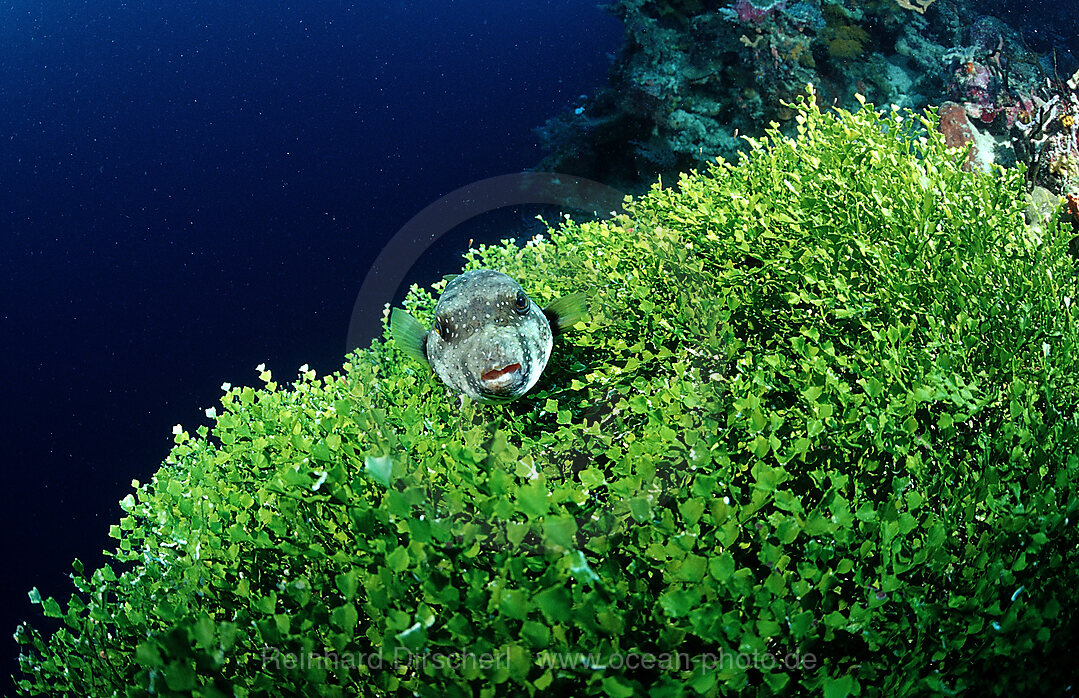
(489, 340)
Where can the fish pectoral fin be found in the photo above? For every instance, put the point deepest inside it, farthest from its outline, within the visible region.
(410, 335)
(566, 311)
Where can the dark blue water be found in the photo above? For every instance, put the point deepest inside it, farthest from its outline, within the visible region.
(190, 189)
(1046, 27)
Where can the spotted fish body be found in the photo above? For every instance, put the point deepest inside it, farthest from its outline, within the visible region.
(489, 340)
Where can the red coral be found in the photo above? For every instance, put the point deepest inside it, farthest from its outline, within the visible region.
(957, 129)
(748, 13)
(1072, 206)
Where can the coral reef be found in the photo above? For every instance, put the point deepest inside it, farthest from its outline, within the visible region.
(1047, 137)
(1071, 208)
(992, 74)
(694, 77)
(918, 6)
(959, 132)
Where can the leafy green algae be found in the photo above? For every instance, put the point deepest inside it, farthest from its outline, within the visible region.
(818, 436)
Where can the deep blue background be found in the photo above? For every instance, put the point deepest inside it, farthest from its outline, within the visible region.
(190, 189)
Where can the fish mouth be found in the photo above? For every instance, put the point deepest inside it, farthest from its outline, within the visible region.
(494, 374)
(502, 383)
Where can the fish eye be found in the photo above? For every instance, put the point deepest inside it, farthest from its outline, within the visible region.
(441, 328)
(522, 304)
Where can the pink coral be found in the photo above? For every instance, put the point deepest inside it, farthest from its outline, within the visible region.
(957, 129)
(748, 13)
(1072, 207)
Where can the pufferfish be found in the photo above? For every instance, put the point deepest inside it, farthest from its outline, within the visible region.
(489, 341)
